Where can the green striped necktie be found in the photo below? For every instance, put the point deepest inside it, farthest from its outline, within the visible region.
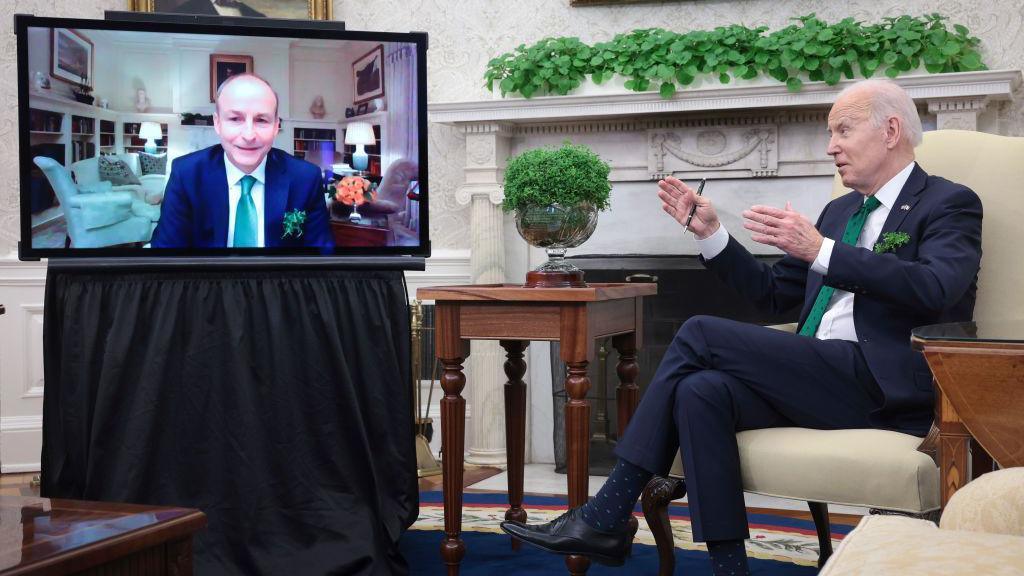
(245, 216)
(853, 228)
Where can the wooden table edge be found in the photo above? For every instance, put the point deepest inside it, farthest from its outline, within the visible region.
(517, 293)
(78, 559)
(963, 346)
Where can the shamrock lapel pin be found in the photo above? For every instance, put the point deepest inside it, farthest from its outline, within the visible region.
(293, 222)
(891, 241)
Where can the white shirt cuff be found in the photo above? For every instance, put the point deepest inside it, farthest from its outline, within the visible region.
(713, 245)
(820, 264)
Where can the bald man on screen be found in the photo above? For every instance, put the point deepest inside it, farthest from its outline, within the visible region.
(237, 194)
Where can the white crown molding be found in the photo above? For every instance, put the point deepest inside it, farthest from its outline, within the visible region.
(987, 84)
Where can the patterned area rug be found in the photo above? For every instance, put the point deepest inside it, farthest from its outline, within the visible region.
(778, 545)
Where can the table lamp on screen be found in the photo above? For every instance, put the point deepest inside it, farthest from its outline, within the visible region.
(360, 134)
(150, 132)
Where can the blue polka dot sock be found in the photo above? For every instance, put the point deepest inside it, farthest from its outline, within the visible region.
(728, 558)
(613, 505)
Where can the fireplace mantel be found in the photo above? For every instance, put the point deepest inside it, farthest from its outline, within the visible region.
(746, 130)
(753, 95)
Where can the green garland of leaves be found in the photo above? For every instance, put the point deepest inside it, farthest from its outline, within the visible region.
(668, 60)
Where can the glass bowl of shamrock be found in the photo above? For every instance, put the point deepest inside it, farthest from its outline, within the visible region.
(354, 191)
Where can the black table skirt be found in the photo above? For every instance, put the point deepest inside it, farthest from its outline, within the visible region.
(277, 402)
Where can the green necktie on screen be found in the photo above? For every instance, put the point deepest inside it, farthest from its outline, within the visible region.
(245, 216)
(853, 228)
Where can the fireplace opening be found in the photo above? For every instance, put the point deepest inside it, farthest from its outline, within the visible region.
(685, 289)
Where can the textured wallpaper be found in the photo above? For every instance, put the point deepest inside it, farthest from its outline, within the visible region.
(465, 34)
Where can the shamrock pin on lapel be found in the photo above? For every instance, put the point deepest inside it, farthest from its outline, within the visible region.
(293, 222)
(891, 241)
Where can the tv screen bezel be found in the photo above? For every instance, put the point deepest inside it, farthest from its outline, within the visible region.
(29, 252)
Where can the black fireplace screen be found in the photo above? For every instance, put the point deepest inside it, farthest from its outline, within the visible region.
(685, 289)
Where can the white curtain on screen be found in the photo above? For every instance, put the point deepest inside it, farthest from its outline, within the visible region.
(400, 134)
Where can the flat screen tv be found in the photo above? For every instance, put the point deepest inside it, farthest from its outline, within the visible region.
(202, 138)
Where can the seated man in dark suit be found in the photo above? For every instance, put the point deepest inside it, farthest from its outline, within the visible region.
(237, 194)
(850, 365)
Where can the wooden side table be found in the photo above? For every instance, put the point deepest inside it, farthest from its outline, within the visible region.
(979, 370)
(514, 315)
(56, 537)
(348, 234)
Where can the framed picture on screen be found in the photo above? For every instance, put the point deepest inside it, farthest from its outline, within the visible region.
(224, 66)
(71, 56)
(368, 76)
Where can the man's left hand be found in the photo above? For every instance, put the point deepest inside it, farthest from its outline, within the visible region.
(785, 229)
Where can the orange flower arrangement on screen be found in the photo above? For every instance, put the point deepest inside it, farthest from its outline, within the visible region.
(354, 190)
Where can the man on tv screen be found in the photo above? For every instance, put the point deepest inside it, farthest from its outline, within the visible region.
(243, 193)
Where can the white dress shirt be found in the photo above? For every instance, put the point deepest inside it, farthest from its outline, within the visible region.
(837, 323)
(235, 192)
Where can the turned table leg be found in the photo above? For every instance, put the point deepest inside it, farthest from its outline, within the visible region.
(453, 446)
(577, 440)
(627, 395)
(452, 352)
(515, 428)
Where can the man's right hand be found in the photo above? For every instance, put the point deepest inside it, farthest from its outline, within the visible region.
(677, 198)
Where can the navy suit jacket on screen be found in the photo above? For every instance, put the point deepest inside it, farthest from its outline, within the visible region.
(929, 280)
(195, 212)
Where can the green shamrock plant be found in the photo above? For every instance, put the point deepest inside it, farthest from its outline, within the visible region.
(293, 222)
(809, 48)
(891, 241)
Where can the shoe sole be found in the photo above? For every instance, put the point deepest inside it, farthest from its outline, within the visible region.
(599, 558)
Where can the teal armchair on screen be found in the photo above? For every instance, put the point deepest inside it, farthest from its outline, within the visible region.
(96, 217)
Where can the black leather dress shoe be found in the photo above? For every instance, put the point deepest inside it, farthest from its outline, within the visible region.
(569, 534)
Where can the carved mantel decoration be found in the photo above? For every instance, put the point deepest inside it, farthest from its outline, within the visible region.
(724, 151)
(729, 132)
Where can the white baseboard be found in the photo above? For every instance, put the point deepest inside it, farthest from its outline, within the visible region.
(33, 423)
(20, 443)
(20, 468)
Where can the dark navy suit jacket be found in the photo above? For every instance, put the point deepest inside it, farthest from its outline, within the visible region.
(929, 280)
(195, 211)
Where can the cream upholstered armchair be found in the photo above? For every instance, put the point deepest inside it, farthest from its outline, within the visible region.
(878, 469)
(981, 532)
(392, 201)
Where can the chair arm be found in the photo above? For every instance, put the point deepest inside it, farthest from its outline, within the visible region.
(99, 187)
(930, 444)
(132, 188)
(99, 210)
(992, 503)
(100, 201)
